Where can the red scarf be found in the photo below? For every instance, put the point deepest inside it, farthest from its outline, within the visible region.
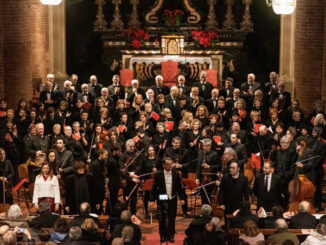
(45, 177)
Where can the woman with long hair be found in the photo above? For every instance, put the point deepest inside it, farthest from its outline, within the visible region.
(46, 188)
(251, 233)
(202, 115)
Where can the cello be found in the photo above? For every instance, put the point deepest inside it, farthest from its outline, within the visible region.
(301, 188)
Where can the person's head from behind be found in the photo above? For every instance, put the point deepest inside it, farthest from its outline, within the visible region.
(206, 210)
(75, 233)
(89, 225)
(118, 241)
(9, 238)
(250, 228)
(44, 207)
(61, 226)
(304, 207)
(245, 207)
(127, 233)
(281, 225)
(125, 216)
(44, 235)
(118, 208)
(321, 229)
(217, 223)
(14, 212)
(4, 227)
(85, 209)
(277, 211)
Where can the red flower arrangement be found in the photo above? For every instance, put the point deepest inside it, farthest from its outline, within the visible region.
(135, 38)
(173, 17)
(204, 38)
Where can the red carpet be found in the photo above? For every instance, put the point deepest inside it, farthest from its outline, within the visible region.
(154, 239)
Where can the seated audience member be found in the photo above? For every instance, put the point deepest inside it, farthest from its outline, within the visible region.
(316, 237)
(90, 231)
(44, 236)
(242, 215)
(303, 220)
(281, 234)
(117, 241)
(15, 217)
(12, 237)
(46, 218)
(75, 237)
(60, 233)
(127, 234)
(114, 219)
(277, 213)
(126, 220)
(213, 234)
(85, 211)
(251, 233)
(196, 228)
(4, 227)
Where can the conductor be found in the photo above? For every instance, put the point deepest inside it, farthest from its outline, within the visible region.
(166, 186)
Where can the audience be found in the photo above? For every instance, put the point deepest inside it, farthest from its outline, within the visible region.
(75, 237)
(242, 215)
(251, 233)
(303, 220)
(60, 231)
(90, 231)
(316, 237)
(46, 218)
(281, 234)
(84, 214)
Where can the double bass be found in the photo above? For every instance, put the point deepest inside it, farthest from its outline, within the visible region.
(301, 188)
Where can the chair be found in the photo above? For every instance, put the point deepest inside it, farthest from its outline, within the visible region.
(191, 186)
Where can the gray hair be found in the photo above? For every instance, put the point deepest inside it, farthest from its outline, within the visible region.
(159, 76)
(75, 233)
(216, 222)
(281, 225)
(14, 212)
(125, 216)
(321, 229)
(127, 233)
(304, 206)
(206, 210)
(229, 150)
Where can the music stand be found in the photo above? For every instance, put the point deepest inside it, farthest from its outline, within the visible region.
(191, 185)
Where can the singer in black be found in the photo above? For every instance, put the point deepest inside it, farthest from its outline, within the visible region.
(166, 187)
(6, 175)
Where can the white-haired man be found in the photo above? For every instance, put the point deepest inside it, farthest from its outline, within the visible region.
(205, 87)
(250, 86)
(134, 90)
(183, 89)
(116, 90)
(159, 87)
(94, 87)
(172, 102)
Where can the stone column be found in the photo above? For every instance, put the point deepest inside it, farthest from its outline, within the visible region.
(287, 44)
(40, 42)
(17, 50)
(57, 41)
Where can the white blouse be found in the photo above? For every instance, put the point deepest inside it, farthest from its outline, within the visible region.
(48, 188)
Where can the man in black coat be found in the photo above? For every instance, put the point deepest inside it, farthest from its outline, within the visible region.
(46, 218)
(166, 187)
(94, 87)
(303, 220)
(86, 95)
(211, 103)
(250, 86)
(234, 189)
(267, 188)
(208, 164)
(265, 141)
(116, 90)
(159, 87)
(205, 88)
(48, 96)
(64, 158)
(227, 91)
(240, 149)
(283, 96)
(80, 187)
(183, 89)
(171, 101)
(99, 171)
(85, 210)
(37, 144)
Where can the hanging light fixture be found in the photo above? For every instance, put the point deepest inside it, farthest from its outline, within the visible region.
(51, 2)
(282, 6)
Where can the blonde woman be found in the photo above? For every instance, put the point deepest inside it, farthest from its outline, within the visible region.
(47, 188)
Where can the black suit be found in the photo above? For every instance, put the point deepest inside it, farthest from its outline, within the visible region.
(245, 86)
(65, 160)
(175, 108)
(303, 220)
(205, 93)
(226, 92)
(240, 149)
(210, 105)
(53, 97)
(185, 90)
(271, 198)
(167, 208)
(36, 143)
(119, 95)
(87, 97)
(45, 220)
(233, 192)
(163, 90)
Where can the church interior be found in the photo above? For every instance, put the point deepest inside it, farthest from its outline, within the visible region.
(142, 101)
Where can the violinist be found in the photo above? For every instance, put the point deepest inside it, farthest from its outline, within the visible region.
(267, 188)
(99, 171)
(131, 173)
(305, 167)
(160, 137)
(6, 174)
(208, 162)
(149, 165)
(47, 188)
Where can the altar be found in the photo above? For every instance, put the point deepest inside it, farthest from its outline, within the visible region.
(185, 38)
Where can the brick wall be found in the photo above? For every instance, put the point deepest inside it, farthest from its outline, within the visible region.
(17, 50)
(324, 60)
(309, 45)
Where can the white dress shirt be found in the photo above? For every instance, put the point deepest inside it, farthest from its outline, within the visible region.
(168, 183)
(48, 188)
(268, 182)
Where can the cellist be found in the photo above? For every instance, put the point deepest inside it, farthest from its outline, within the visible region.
(207, 166)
